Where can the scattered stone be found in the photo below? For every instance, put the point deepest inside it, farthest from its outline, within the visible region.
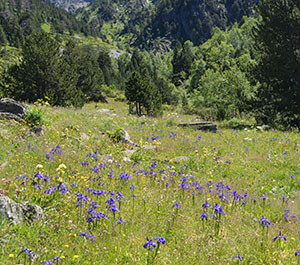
(125, 138)
(84, 137)
(126, 159)
(3, 164)
(149, 147)
(263, 128)
(38, 130)
(204, 126)
(115, 54)
(127, 155)
(9, 116)
(180, 159)
(107, 112)
(18, 213)
(72, 127)
(8, 105)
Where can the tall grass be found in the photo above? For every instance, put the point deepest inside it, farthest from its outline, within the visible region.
(101, 209)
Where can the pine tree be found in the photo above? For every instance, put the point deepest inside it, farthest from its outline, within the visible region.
(44, 72)
(143, 95)
(277, 42)
(3, 39)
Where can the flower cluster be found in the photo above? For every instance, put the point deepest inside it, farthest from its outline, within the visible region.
(151, 244)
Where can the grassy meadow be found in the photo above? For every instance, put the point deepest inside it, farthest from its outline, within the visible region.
(185, 197)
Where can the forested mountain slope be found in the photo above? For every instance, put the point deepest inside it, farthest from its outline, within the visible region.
(70, 5)
(19, 18)
(192, 19)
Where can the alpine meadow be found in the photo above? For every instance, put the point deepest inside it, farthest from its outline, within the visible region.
(149, 132)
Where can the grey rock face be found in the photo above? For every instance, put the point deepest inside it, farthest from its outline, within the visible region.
(8, 105)
(38, 130)
(204, 126)
(107, 112)
(178, 159)
(18, 213)
(125, 138)
(84, 137)
(9, 116)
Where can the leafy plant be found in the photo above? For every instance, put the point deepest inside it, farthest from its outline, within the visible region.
(34, 117)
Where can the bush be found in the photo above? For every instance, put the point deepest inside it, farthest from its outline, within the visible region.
(34, 117)
(236, 123)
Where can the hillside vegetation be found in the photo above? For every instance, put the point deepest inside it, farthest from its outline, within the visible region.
(19, 19)
(115, 70)
(209, 197)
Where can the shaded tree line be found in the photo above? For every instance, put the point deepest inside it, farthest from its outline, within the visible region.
(19, 19)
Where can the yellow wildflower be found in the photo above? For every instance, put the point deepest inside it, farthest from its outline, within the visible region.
(39, 166)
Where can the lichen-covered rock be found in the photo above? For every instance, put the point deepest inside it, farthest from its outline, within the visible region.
(18, 213)
(125, 138)
(204, 126)
(9, 116)
(8, 105)
(179, 159)
(37, 130)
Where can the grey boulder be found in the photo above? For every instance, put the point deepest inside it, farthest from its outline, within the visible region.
(18, 213)
(10, 106)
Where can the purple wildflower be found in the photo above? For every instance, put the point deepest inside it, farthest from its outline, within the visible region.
(120, 221)
(206, 204)
(204, 215)
(218, 209)
(29, 252)
(160, 239)
(150, 244)
(239, 257)
(264, 198)
(177, 205)
(279, 236)
(264, 221)
(88, 234)
(48, 262)
(56, 259)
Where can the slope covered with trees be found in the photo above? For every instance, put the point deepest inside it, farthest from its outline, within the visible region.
(19, 19)
(192, 19)
(277, 45)
(248, 70)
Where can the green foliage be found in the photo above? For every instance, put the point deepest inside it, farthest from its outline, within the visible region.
(83, 60)
(138, 156)
(117, 135)
(34, 117)
(247, 163)
(191, 20)
(20, 18)
(236, 123)
(46, 27)
(277, 42)
(220, 82)
(182, 61)
(143, 95)
(42, 73)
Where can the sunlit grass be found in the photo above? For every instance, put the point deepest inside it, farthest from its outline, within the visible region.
(252, 163)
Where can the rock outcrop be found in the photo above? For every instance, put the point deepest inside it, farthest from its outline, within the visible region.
(10, 109)
(125, 138)
(18, 213)
(204, 126)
